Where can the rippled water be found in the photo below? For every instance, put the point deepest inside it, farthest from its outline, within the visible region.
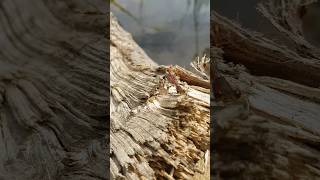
(170, 31)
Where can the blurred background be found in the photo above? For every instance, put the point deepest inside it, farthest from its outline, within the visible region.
(246, 14)
(175, 31)
(170, 31)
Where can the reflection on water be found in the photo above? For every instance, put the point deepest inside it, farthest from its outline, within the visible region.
(170, 31)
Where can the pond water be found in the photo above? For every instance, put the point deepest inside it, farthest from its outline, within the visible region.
(170, 31)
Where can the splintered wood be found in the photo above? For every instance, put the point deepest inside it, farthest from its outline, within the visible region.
(159, 122)
(272, 130)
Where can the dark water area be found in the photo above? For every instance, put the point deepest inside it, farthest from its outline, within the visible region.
(246, 14)
(170, 31)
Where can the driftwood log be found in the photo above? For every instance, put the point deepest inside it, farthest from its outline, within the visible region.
(53, 92)
(159, 115)
(272, 131)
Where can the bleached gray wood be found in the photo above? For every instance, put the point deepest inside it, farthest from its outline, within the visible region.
(156, 132)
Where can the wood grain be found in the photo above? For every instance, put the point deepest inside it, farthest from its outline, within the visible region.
(53, 89)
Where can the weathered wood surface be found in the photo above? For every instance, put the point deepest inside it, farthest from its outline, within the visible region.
(53, 76)
(272, 131)
(159, 127)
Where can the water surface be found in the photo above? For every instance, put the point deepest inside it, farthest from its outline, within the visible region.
(170, 31)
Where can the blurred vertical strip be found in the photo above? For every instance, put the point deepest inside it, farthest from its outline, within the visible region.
(212, 115)
(108, 90)
(54, 94)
